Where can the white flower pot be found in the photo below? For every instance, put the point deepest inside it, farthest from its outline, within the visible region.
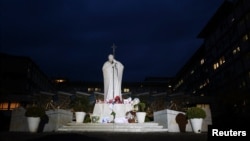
(33, 123)
(80, 116)
(196, 124)
(141, 117)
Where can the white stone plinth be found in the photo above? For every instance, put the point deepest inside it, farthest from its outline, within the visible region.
(18, 121)
(166, 118)
(104, 110)
(57, 118)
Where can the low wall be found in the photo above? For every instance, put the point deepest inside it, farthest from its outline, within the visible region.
(56, 119)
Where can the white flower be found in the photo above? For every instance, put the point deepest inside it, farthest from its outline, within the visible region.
(136, 101)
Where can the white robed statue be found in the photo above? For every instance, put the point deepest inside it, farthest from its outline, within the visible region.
(112, 75)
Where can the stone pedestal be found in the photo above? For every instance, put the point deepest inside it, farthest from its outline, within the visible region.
(18, 121)
(57, 118)
(166, 118)
(104, 111)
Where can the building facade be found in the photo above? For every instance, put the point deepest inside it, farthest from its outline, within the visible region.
(219, 72)
(20, 78)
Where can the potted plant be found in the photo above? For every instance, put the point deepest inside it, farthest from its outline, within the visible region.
(196, 116)
(182, 121)
(140, 112)
(34, 115)
(79, 106)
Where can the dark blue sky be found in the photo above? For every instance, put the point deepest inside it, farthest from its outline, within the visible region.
(73, 38)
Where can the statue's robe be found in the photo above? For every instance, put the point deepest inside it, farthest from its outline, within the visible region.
(112, 76)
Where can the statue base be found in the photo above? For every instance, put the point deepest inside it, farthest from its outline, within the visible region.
(102, 113)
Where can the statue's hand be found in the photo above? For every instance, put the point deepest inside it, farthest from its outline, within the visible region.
(114, 61)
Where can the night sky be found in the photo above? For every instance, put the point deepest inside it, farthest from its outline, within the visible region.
(73, 38)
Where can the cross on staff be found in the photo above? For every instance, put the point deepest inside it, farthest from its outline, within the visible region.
(113, 47)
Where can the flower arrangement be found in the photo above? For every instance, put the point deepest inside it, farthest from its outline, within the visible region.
(116, 100)
(138, 105)
(131, 116)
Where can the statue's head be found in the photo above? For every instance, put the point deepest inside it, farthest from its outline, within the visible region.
(111, 57)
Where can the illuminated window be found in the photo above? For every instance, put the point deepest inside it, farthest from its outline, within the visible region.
(208, 81)
(59, 80)
(4, 106)
(97, 89)
(192, 72)
(9, 106)
(222, 60)
(216, 66)
(245, 37)
(126, 90)
(90, 89)
(236, 50)
(202, 61)
(14, 105)
(179, 83)
(203, 85)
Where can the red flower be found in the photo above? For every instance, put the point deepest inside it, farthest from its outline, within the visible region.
(118, 99)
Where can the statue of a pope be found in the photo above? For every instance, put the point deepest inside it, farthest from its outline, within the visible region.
(112, 76)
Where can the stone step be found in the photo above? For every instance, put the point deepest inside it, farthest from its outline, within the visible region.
(111, 130)
(150, 124)
(112, 127)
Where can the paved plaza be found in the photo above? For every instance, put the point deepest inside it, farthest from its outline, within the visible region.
(102, 136)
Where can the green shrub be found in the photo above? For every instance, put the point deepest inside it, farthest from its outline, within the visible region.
(141, 106)
(35, 111)
(80, 104)
(195, 112)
